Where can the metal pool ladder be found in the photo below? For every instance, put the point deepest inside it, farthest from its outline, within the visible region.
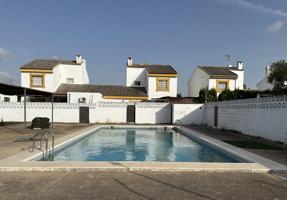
(43, 137)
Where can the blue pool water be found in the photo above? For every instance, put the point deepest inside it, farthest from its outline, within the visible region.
(140, 145)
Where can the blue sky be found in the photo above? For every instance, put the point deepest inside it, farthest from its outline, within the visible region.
(183, 33)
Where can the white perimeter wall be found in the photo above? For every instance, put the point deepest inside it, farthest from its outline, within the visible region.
(188, 114)
(100, 112)
(151, 113)
(262, 117)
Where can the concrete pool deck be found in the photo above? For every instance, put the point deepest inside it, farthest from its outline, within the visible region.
(279, 156)
(14, 137)
(145, 185)
(15, 162)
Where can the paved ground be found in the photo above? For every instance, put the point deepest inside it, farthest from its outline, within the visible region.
(15, 137)
(276, 155)
(140, 185)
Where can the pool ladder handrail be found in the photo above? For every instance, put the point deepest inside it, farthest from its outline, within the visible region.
(43, 135)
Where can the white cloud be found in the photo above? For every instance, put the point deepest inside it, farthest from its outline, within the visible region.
(7, 78)
(256, 7)
(276, 26)
(4, 53)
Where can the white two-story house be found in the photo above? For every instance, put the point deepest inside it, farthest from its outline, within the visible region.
(219, 78)
(48, 75)
(69, 81)
(158, 80)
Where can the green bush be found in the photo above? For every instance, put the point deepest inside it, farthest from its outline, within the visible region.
(211, 95)
(226, 95)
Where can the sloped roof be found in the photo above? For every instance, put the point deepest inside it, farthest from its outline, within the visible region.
(47, 64)
(105, 90)
(219, 72)
(8, 89)
(155, 68)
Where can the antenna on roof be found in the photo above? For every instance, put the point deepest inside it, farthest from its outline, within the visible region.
(228, 56)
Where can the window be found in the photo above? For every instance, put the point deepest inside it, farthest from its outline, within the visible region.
(162, 84)
(137, 83)
(70, 80)
(6, 99)
(37, 80)
(222, 85)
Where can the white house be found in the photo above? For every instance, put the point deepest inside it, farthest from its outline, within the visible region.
(219, 78)
(264, 84)
(8, 98)
(69, 81)
(158, 80)
(48, 75)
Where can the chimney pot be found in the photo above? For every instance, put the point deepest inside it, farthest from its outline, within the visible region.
(130, 61)
(79, 59)
(240, 65)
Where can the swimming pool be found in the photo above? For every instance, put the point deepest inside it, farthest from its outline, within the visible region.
(142, 144)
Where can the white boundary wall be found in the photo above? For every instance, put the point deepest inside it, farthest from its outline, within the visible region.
(262, 117)
(108, 112)
(153, 113)
(100, 112)
(188, 114)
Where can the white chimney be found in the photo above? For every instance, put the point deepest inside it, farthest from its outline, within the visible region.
(130, 61)
(267, 71)
(79, 59)
(240, 65)
(230, 66)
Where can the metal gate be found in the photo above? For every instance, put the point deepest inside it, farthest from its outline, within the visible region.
(131, 113)
(215, 116)
(84, 115)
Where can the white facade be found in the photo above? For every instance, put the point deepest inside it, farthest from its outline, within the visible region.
(198, 80)
(239, 82)
(8, 98)
(152, 88)
(138, 76)
(86, 97)
(83, 97)
(61, 73)
(264, 84)
(201, 79)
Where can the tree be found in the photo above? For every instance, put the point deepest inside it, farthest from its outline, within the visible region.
(278, 75)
